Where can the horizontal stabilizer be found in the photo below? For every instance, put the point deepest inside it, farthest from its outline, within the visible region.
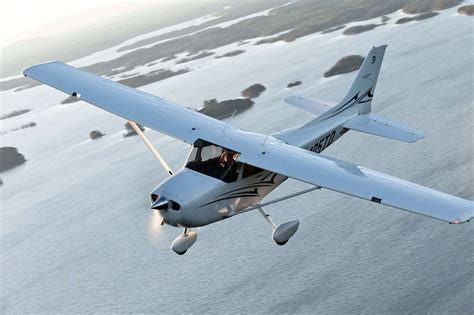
(380, 126)
(310, 106)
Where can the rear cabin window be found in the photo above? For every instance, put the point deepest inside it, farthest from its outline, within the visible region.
(213, 160)
(250, 170)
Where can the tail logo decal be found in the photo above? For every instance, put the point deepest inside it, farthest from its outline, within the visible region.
(364, 98)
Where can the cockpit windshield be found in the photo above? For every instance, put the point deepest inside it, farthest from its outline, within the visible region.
(213, 160)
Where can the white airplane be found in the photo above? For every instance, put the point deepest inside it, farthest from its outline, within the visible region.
(230, 171)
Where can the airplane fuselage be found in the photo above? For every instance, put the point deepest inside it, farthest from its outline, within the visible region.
(203, 199)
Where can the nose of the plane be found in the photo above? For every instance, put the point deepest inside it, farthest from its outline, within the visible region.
(161, 203)
(179, 196)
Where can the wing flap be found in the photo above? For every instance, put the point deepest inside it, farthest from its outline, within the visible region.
(360, 182)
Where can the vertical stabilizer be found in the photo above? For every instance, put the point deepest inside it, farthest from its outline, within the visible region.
(359, 97)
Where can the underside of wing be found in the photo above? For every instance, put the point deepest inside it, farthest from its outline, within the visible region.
(360, 182)
(131, 104)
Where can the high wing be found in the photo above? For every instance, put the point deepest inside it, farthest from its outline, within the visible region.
(360, 182)
(256, 149)
(129, 103)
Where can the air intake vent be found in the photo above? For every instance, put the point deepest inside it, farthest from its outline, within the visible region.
(154, 197)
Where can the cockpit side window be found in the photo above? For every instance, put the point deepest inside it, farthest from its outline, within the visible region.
(213, 160)
(250, 170)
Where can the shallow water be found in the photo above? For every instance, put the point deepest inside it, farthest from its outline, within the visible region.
(77, 234)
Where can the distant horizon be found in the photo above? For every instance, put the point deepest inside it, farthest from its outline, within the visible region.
(44, 22)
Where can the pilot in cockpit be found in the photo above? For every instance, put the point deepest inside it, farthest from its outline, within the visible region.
(227, 158)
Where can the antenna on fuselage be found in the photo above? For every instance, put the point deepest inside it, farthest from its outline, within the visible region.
(268, 135)
(228, 121)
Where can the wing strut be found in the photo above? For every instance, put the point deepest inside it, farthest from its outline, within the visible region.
(151, 147)
(299, 193)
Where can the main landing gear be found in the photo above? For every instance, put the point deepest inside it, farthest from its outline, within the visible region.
(283, 232)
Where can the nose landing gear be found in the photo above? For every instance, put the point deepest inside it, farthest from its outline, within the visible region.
(184, 241)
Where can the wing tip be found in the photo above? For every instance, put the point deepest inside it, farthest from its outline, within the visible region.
(418, 135)
(25, 72)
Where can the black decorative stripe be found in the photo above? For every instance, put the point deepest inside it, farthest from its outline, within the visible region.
(352, 102)
(237, 193)
(262, 183)
(255, 191)
(217, 200)
(266, 184)
(266, 176)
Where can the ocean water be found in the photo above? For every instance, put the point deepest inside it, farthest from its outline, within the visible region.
(77, 235)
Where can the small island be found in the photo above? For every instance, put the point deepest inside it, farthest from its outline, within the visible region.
(25, 126)
(10, 158)
(168, 58)
(14, 113)
(230, 54)
(466, 9)
(253, 91)
(333, 29)
(129, 131)
(224, 109)
(95, 134)
(152, 77)
(293, 84)
(345, 65)
(195, 57)
(384, 19)
(414, 7)
(269, 40)
(359, 29)
(419, 17)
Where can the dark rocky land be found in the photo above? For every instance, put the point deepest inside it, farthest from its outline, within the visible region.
(14, 113)
(345, 65)
(253, 91)
(227, 108)
(10, 158)
(419, 17)
(95, 134)
(129, 131)
(466, 9)
(293, 84)
(231, 53)
(196, 56)
(359, 29)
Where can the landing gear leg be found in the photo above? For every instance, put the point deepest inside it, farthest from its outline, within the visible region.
(283, 232)
(267, 218)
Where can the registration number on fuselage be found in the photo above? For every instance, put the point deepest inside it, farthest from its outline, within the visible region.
(323, 142)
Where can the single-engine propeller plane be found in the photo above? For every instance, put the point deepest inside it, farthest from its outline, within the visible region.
(230, 171)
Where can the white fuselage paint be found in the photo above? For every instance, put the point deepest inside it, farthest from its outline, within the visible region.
(204, 199)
